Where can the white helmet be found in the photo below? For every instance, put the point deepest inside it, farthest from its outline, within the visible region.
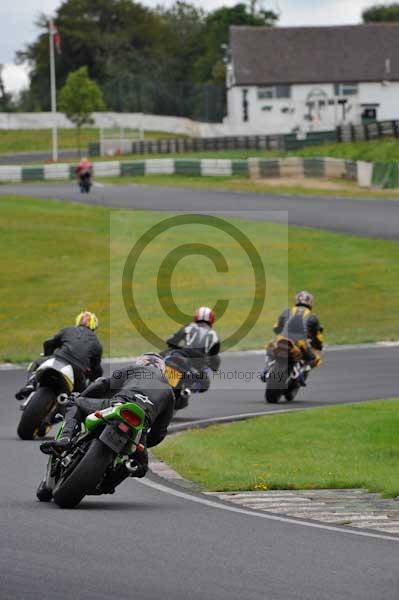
(304, 298)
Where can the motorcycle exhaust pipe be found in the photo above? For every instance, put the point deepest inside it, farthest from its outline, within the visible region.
(186, 393)
(62, 399)
(131, 466)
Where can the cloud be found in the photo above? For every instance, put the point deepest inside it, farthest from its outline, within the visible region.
(15, 77)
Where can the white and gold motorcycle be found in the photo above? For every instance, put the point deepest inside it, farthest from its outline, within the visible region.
(45, 405)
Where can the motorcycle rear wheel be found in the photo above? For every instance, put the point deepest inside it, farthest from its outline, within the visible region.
(34, 413)
(84, 479)
(276, 384)
(272, 396)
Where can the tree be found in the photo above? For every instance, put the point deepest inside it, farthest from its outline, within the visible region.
(165, 60)
(107, 36)
(381, 13)
(79, 97)
(6, 104)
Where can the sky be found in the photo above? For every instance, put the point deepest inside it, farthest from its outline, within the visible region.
(17, 22)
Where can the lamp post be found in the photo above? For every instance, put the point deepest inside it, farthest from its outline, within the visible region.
(53, 32)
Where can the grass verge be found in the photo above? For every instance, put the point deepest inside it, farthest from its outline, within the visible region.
(56, 261)
(352, 446)
(31, 140)
(384, 150)
(347, 189)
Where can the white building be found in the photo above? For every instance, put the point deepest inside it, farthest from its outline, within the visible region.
(300, 79)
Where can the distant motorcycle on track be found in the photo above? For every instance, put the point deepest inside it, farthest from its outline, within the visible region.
(85, 182)
(287, 372)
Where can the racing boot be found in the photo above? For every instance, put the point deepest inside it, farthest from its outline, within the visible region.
(56, 446)
(27, 389)
(63, 443)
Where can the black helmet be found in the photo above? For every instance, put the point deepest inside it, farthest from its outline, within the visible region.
(304, 298)
(152, 359)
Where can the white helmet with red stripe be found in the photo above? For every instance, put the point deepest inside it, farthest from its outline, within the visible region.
(204, 313)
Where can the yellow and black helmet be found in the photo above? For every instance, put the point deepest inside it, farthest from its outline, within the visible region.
(87, 319)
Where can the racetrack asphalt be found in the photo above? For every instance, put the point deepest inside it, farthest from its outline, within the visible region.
(373, 218)
(150, 543)
(155, 542)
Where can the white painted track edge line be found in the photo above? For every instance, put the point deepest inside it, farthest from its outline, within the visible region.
(252, 513)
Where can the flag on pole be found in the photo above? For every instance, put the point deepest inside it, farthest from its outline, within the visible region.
(56, 35)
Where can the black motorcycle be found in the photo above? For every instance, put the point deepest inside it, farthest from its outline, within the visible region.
(286, 371)
(93, 463)
(85, 182)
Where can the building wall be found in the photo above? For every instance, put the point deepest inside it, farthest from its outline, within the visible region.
(286, 115)
(385, 94)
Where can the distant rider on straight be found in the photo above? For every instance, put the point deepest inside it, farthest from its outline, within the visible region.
(84, 168)
(201, 344)
(303, 327)
(142, 382)
(77, 346)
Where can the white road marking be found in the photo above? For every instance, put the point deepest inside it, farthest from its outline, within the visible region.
(252, 513)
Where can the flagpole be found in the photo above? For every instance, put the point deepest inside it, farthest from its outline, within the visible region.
(53, 92)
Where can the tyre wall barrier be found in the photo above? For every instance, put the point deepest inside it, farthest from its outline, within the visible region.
(367, 174)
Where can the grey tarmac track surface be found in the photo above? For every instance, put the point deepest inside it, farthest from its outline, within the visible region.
(149, 544)
(145, 543)
(374, 218)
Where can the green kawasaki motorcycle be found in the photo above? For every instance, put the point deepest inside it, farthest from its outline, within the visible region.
(105, 446)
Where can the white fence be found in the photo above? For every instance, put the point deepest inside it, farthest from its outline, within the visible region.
(177, 125)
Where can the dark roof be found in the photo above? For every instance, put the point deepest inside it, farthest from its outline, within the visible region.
(350, 53)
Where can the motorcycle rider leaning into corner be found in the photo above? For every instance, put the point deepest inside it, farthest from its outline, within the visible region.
(77, 346)
(201, 344)
(142, 382)
(303, 327)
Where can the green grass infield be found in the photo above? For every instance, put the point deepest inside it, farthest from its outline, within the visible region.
(59, 258)
(340, 188)
(351, 446)
(35, 140)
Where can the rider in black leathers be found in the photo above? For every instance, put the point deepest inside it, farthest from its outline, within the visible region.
(142, 382)
(77, 346)
(201, 344)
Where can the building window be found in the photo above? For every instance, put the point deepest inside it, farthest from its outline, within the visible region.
(274, 91)
(245, 116)
(345, 89)
(266, 92)
(283, 91)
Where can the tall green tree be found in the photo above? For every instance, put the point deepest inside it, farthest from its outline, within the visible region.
(79, 97)
(164, 60)
(107, 36)
(6, 103)
(381, 13)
